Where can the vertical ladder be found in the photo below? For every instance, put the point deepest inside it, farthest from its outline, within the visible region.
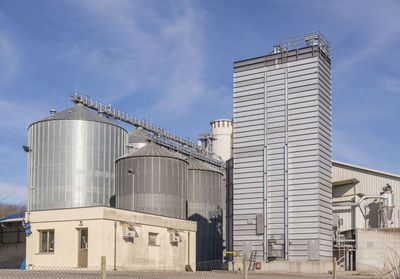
(252, 261)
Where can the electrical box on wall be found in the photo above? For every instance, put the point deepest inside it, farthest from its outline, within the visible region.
(174, 237)
(128, 233)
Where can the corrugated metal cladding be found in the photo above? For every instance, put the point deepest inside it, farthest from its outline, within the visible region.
(282, 155)
(71, 162)
(205, 206)
(370, 183)
(152, 180)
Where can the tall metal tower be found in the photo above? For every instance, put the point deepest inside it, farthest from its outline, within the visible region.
(282, 151)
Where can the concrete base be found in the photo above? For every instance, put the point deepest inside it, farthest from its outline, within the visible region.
(316, 267)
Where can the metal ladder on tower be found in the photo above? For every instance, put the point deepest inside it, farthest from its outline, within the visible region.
(252, 261)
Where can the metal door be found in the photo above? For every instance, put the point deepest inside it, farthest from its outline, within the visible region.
(83, 247)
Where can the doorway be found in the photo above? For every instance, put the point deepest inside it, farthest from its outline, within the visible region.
(83, 247)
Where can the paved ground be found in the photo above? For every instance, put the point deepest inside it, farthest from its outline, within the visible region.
(79, 274)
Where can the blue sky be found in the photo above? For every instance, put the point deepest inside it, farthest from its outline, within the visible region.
(171, 62)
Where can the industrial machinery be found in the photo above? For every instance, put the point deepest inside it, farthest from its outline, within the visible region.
(344, 244)
(386, 206)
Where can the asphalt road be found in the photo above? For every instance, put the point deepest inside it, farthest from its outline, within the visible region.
(80, 274)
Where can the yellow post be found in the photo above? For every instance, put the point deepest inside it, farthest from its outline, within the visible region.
(103, 267)
(334, 268)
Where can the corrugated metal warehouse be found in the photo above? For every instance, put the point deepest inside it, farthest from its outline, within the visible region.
(350, 183)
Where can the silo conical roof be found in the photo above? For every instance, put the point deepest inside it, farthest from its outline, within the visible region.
(151, 150)
(78, 112)
(139, 135)
(195, 164)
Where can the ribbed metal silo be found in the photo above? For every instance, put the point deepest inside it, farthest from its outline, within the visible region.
(138, 138)
(205, 206)
(152, 180)
(71, 159)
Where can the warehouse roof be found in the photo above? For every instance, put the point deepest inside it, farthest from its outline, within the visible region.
(365, 169)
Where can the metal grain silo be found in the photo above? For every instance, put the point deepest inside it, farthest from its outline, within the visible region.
(152, 180)
(71, 159)
(138, 138)
(205, 206)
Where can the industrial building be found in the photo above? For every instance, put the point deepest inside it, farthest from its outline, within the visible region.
(78, 237)
(82, 163)
(262, 184)
(365, 213)
(282, 152)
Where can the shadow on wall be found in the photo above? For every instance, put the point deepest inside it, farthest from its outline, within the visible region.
(112, 201)
(209, 242)
(373, 215)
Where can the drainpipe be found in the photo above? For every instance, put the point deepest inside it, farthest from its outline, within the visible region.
(115, 245)
(286, 168)
(188, 248)
(265, 178)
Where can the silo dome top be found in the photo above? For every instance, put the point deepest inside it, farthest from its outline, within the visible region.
(195, 164)
(78, 112)
(151, 150)
(138, 136)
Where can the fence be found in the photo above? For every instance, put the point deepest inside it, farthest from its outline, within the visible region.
(105, 271)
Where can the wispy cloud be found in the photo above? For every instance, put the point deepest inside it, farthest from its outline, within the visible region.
(9, 60)
(364, 149)
(15, 116)
(391, 84)
(153, 53)
(374, 26)
(12, 193)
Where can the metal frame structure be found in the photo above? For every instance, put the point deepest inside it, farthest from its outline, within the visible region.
(159, 135)
(304, 40)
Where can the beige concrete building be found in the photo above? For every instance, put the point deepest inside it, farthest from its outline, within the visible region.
(78, 237)
(377, 250)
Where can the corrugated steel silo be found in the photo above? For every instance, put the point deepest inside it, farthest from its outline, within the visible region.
(138, 138)
(71, 159)
(204, 206)
(152, 180)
